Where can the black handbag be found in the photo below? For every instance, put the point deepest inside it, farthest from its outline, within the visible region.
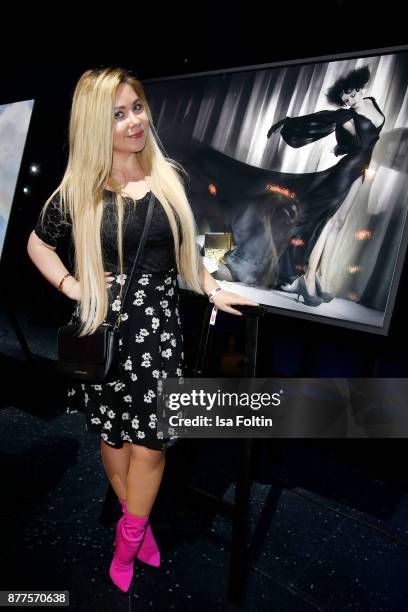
(95, 357)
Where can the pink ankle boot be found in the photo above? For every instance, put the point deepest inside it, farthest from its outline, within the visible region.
(130, 532)
(149, 551)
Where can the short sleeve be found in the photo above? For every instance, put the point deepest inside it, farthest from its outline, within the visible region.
(55, 226)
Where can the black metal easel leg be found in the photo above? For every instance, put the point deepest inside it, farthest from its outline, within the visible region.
(203, 346)
(239, 546)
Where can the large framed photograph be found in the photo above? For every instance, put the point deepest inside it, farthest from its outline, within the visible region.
(297, 175)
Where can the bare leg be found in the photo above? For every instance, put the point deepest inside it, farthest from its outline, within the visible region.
(328, 236)
(134, 536)
(143, 478)
(116, 463)
(315, 256)
(329, 248)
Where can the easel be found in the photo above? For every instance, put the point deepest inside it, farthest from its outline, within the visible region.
(237, 510)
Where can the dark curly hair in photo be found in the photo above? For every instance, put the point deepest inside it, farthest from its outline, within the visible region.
(355, 79)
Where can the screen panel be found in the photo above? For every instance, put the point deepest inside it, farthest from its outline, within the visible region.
(14, 123)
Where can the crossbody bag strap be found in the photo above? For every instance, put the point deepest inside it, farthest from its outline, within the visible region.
(145, 232)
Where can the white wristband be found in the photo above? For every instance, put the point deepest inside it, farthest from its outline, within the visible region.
(214, 310)
(213, 292)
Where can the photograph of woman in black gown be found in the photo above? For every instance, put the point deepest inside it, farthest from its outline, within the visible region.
(304, 167)
(357, 125)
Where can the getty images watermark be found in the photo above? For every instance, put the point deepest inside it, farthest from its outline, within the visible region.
(226, 407)
(290, 408)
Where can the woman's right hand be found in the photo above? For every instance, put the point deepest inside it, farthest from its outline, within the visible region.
(73, 290)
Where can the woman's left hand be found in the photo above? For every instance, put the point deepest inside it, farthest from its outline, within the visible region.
(223, 300)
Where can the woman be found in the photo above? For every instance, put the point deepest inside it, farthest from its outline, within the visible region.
(357, 128)
(114, 164)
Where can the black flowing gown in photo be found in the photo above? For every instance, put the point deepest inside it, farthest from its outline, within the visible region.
(322, 193)
(247, 206)
(151, 340)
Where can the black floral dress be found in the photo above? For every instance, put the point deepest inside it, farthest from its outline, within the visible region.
(151, 340)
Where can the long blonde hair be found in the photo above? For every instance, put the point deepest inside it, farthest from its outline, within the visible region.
(88, 174)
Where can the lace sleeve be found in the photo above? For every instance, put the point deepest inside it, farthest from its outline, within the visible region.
(55, 227)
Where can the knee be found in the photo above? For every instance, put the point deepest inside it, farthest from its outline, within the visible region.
(147, 455)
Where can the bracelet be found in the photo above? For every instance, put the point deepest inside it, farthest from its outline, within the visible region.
(213, 292)
(60, 285)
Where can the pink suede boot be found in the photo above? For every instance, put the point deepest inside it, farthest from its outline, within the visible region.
(149, 551)
(130, 532)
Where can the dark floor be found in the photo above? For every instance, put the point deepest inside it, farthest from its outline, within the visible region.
(328, 520)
